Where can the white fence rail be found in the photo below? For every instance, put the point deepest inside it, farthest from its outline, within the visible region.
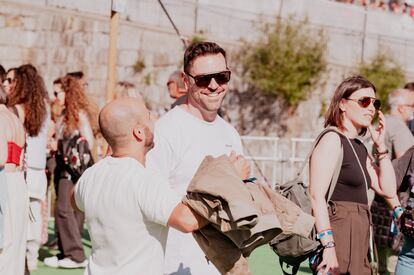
(275, 159)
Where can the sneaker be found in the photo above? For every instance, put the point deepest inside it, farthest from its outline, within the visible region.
(69, 263)
(51, 261)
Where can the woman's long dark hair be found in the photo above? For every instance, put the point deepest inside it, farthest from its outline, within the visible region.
(30, 91)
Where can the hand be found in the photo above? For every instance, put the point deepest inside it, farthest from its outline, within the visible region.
(329, 262)
(52, 145)
(378, 134)
(241, 164)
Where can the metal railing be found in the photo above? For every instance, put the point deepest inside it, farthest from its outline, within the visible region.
(269, 159)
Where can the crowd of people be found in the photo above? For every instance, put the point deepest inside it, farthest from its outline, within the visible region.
(156, 183)
(394, 6)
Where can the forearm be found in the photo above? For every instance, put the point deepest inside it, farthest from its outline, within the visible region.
(185, 219)
(320, 212)
(393, 202)
(386, 178)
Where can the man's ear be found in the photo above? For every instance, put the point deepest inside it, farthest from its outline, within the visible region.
(185, 80)
(139, 133)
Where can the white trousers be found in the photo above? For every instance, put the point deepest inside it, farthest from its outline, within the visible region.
(16, 217)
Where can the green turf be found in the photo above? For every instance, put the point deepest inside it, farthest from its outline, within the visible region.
(263, 260)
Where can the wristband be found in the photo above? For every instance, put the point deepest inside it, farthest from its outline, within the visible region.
(324, 233)
(329, 244)
(396, 212)
(377, 154)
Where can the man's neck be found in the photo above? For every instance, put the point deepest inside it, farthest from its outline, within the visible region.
(398, 115)
(135, 153)
(201, 114)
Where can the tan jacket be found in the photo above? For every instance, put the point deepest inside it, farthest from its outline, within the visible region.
(243, 216)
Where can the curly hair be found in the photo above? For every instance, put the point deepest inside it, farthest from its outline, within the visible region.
(30, 91)
(75, 101)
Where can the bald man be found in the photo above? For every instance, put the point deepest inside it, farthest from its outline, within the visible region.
(127, 206)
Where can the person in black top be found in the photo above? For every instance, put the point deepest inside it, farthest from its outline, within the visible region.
(343, 227)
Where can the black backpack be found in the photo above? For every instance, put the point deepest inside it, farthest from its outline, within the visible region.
(293, 249)
(74, 155)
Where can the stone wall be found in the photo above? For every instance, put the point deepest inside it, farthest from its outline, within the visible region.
(62, 35)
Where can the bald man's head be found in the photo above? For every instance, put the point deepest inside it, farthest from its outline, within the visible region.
(120, 117)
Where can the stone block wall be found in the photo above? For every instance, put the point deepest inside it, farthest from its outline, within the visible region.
(59, 36)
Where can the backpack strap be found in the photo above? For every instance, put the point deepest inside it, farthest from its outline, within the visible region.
(295, 268)
(338, 163)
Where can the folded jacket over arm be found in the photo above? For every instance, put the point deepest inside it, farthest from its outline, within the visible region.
(242, 216)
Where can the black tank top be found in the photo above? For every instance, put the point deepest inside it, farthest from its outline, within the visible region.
(351, 185)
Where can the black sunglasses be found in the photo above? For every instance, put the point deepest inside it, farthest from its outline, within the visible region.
(365, 101)
(9, 79)
(204, 80)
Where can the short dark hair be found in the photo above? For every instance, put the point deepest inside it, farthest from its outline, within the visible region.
(77, 74)
(200, 49)
(409, 86)
(2, 73)
(347, 87)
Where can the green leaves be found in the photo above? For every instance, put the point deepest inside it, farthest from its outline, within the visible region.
(385, 74)
(287, 60)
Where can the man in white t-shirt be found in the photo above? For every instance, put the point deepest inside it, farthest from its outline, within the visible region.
(188, 133)
(127, 206)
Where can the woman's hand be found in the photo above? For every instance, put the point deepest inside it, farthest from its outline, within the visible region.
(378, 134)
(329, 262)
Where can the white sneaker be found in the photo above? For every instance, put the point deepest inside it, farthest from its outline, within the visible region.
(69, 263)
(51, 261)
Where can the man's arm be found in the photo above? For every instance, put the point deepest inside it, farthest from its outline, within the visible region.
(185, 219)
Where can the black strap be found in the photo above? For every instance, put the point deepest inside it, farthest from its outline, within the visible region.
(295, 268)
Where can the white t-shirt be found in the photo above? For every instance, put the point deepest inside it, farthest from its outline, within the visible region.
(181, 143)
(398, 137)
(127, 207)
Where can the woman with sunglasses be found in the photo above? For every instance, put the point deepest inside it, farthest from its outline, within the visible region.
(14, 200)
(343, 223)
(28, 96)
(9, 81)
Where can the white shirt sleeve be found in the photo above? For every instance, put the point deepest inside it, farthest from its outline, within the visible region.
(400, 136)
(79, 195)
(156, 199)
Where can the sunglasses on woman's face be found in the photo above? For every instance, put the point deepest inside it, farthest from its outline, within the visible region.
(204, 80)
(9, 79)
(365, 101)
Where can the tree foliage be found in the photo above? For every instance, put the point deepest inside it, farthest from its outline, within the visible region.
(286, 61)
(385, 74)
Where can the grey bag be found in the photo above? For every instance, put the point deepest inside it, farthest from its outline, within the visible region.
(293, 249)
